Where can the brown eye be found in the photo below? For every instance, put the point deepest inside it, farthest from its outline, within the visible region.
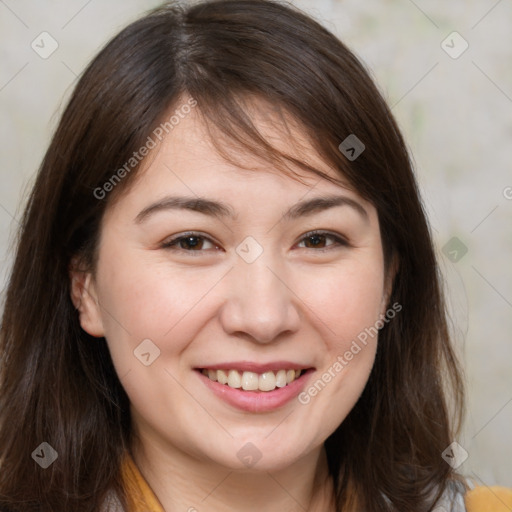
(189, 243)
(318, 240)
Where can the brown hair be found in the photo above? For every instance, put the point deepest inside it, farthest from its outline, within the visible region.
(58, 383)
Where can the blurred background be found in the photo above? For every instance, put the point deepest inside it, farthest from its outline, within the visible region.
(445, 69)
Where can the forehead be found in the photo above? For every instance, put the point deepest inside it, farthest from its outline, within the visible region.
(187, 161)
(203, 147)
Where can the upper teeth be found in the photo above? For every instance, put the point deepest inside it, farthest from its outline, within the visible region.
(250, 381)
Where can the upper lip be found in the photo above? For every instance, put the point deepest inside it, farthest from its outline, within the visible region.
(248, 366)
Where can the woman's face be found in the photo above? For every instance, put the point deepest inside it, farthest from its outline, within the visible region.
(207, 266)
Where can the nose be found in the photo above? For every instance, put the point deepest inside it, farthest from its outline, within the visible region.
(261, 305)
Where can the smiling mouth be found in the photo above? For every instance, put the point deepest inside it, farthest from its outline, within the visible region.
(252, 381)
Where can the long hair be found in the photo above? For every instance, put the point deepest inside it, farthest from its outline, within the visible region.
(58, 384)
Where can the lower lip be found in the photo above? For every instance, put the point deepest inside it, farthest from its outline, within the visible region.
(257, 401)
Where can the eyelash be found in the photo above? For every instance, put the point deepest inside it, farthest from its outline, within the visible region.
(340, 241)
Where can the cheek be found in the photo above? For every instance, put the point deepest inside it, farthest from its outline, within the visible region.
(345, 301)
(347, 307)
(165, 306)
(152, 301)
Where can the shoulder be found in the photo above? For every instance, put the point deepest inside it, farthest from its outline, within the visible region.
(452, 499)
(489, 499)
(470, 498)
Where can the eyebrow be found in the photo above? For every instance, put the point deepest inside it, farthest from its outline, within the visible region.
(220, 210)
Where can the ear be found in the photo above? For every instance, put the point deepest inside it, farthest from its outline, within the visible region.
(85, 300)
(388, 282)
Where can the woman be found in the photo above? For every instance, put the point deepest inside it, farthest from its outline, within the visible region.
(225, 295)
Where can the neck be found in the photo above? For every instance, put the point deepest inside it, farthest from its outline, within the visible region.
(182, 482)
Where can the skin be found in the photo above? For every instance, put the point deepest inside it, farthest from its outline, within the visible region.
(208, 305)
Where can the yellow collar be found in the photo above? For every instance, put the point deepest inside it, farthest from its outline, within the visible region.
(489, 499)
(141, 496)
